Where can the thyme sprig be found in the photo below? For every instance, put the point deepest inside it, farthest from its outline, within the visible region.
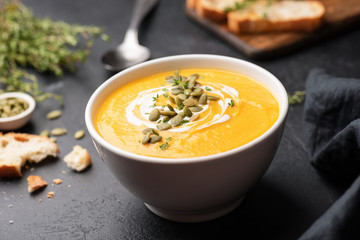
(46, 45)
(246, 3)
(297, 98)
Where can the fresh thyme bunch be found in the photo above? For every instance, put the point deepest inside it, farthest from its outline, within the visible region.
(47, 46)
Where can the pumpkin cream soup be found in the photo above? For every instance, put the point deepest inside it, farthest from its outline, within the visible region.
(189, 113)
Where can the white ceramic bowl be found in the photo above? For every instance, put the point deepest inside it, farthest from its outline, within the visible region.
(17, 121)
(191, 189)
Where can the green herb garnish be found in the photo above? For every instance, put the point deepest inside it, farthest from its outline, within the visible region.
(231, 103)
(297, 98)
(46, 45)
(164, 146)
(247, 3)
(207, 88)
(184, 122)
(155, 98)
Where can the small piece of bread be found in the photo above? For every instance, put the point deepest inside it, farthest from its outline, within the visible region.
(57, 181)
(212, 9)
(287, 15)
(51, 194)
(17, 148)
(78, 159)
(35, 183)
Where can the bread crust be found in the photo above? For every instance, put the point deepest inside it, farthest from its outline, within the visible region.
(10, 169)
(35, 182)
(209, 11)
(253, 23)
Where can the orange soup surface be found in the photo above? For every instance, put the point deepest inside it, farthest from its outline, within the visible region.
(227, 110)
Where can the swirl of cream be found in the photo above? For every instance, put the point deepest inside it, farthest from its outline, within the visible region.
(145, 101)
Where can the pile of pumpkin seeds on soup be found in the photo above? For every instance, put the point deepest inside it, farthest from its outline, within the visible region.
(187, 96)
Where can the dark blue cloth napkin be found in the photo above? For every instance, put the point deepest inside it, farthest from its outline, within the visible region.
(332, 134)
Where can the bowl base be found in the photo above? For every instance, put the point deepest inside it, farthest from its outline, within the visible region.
(195, 216)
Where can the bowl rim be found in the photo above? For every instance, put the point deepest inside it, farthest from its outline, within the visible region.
(29, 99)
(143, 158)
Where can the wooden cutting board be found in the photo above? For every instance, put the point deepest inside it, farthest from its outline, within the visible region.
(340, 15)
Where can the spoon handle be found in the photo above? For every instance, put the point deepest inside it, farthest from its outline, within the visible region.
(141, 9)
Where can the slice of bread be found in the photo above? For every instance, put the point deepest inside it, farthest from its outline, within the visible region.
(78, 159)
(17, 148)
(278, 16)
(213, 9)
(35, 182)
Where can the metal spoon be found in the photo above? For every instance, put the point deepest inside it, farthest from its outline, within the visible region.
(130, 52)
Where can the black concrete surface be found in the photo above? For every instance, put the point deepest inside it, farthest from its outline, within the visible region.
(283, 204)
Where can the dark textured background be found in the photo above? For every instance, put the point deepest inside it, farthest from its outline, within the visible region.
(284, 203)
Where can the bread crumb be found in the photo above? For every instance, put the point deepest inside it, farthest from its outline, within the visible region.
(69, 186)
(40, 199)
(78, 159)
(50, 194)
(57, 181)
(63, 172)
(35, 182)
(32, 169)
(11, 221)
(21, 196)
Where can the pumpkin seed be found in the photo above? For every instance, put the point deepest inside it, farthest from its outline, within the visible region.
(171, 99)
(196, 94)
(53, 114)
(155, 139)
(12, 106)
(79, 134)
(190, 102)
(194, 117)
(58, 131)
(210, 97)
(187, 92)
(168, 113)
(176, 91)
(187, 111)
(182, 96)
(154, 115)
(203, 99)
(176, 121)
(193, 97)
(195, 109)
(178, 101)
(170, 107)
(146, 130)
(45, 133)
(163, 126)
(195, 76)
(182, 114)
(166, 119)
(146, 139)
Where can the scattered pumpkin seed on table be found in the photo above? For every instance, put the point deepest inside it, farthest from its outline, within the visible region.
(45, 133)
(58, 131)
(79, 134)
(53, 114)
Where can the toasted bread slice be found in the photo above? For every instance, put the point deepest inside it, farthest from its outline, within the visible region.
(17, 148)
(278, 16)
(213, 9)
